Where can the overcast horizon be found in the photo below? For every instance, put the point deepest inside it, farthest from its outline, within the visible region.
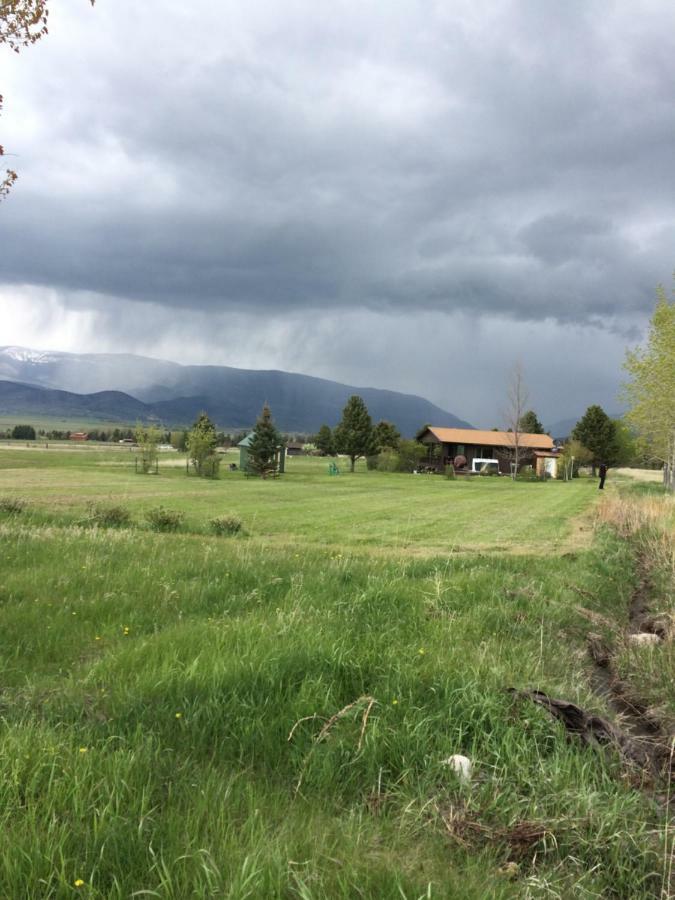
(411, 197)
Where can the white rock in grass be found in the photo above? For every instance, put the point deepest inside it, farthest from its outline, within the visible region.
(461, 766)
(644, 639)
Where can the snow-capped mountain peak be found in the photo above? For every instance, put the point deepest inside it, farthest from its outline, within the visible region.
(23, 354)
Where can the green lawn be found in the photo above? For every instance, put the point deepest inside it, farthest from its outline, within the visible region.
(150, 683)
(371, 510)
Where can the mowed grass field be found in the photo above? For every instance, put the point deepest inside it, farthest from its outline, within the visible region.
(268, 715)
(370, 510)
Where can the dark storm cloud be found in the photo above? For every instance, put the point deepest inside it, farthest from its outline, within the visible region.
(512, 161)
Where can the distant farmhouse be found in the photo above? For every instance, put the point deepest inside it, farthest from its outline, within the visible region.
(470, 449)
(79, 436)
(295, 448)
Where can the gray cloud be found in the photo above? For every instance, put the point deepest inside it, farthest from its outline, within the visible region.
(510, 163)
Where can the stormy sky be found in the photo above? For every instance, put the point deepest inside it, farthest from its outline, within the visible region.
(410, 195)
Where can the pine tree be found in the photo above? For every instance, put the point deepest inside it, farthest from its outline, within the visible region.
(354, 433)
(263, 451)
(325, 441)
(597, 432)
(386, 436)
(530, 424)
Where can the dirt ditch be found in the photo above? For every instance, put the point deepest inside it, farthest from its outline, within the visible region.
(635, 716)
(635, 731)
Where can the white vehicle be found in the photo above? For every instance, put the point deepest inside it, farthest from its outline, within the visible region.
(477, 465)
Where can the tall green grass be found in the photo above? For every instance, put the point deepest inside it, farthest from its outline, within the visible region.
(267, 715)
(150, 683)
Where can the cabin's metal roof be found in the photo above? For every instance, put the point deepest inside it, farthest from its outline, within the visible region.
(475, 436)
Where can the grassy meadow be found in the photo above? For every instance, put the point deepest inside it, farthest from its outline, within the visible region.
(268, 714)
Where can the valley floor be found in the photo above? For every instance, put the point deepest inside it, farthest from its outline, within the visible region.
(268, 715)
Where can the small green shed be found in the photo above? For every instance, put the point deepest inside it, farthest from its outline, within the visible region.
(243, 454)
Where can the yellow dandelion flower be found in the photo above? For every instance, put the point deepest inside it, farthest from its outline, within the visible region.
(84, 749)
(78, 882)
(179, 715)
(421, 651)
(394, 702)
(98, 637)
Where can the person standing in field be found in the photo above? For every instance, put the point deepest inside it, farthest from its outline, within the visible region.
(603, 474)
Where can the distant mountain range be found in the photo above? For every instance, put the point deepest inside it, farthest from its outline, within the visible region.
(563, 428)
(126, 388)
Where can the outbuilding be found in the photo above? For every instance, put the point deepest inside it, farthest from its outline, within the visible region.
(547, 463)
(458, 447)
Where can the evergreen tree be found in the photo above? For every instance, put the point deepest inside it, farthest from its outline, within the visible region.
(597, 432)
(386, 436)
(201, 444)
(354, 433)
(325, 441)
(263, 451)
(23, 433)
(530, 424)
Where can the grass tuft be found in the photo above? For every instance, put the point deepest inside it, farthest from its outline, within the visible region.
(109, 515)
(161, 519)
(225, 525)
(12, 505)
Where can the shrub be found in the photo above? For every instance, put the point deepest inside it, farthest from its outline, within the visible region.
(161, 519)
(388, 461)
(223, 525)
(449, 472)
(372, 462)
(527, 473)
(210, 466)
(12, 505)
(113, 516)
(489, 469)
(411, 455)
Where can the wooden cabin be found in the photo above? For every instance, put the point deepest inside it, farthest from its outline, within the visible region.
(459, 447)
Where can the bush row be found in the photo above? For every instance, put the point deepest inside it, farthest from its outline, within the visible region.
(159, 518)
(115, 515)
